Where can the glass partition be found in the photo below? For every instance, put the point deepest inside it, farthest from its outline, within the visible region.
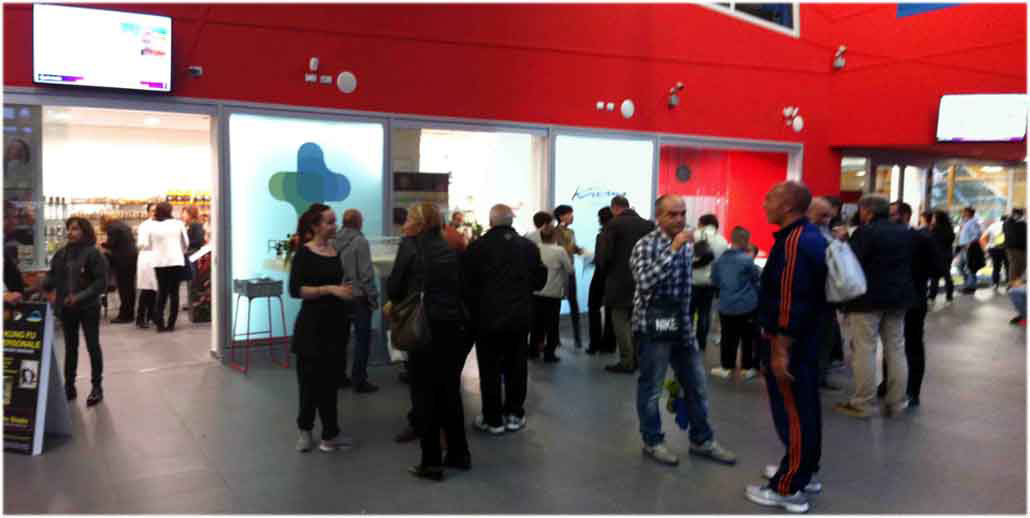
(280, 166)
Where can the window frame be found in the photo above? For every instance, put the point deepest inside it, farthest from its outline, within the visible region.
(794, 32)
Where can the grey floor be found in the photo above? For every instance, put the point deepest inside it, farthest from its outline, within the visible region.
(180, 433)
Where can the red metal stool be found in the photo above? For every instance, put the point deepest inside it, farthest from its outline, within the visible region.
(257, 289)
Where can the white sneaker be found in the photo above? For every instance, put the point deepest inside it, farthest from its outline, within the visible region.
(720, 372)
(515, 424)
(748, 374)
(661, 454)
(492, 430)
(305, 442)
(762, 495)
(813, 485)
(340, 442)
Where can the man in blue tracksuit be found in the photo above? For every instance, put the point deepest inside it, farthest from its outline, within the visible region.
(791, 300)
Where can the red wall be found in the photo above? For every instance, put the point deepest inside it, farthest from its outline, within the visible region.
(740, 178)
(551, 63)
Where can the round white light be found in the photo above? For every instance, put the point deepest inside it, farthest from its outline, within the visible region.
(628, 108)
(347, 82)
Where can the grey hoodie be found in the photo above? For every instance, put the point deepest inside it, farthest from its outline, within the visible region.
(356, 257)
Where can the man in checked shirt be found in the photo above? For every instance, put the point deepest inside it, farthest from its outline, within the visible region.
(661, 267)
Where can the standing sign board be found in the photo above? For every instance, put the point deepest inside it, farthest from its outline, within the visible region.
(32, 388)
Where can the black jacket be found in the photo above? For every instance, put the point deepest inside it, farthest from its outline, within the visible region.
(502, 270)
(944, 236)
(427, 260)
(120, 241)
(1015, 234)
(612, 257)
(80, 270)
(884, 250)
(927, 262)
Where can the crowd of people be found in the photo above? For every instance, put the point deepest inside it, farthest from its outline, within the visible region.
(651, 298)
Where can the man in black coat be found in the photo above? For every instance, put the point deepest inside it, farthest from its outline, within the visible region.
(927, 262)
(612, 256)
(884, 249)
(121, 247)
(502, 270)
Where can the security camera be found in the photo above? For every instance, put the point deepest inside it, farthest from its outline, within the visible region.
(196, 71)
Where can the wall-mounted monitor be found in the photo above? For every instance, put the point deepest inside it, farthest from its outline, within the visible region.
(100, 48)
(982, 118)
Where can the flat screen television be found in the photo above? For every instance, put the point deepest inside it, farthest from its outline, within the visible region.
(100, 48)
(982, 118)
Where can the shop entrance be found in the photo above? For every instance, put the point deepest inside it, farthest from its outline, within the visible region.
(109, 167)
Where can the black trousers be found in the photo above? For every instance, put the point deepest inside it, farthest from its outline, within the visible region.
(89, 320)
(999, 260)
(602, 336)
(436, 382)
(797, 415)
(949, 285)
(573, 296)
(738, 331)
(701, 298)
(125, 275)
(168, 279)
(502, 355)
(145, 311)
(915, 350)
(547, 312)
(317, 381)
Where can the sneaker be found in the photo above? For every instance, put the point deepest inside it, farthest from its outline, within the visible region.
(913, 401)
(720, 372)
(340, 442)
(714, 451)
(748, 374)
(896, 409)
(515, 424)
(95, 396)
(813, 486)
(764, 495)
(305, 442)
(481, 425)
(848, 409)
(661, 454)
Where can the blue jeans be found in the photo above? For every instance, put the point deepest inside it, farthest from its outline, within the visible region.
(655, 358)
(1018, 297)
(967, 273)
(362, 339)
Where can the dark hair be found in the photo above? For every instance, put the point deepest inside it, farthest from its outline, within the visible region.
(1018, 212)
(192, 210)
(542, 218)
(943, 221)
(927, 215)
(163, 211)
(547, 234)
(708, 220)
(308, 220)
(969, 210)
(561, 210)
(620, 201)
(89, 236)
(605, 215)
(834, 201)
(904, 209)
(878, 205)
(150, 206)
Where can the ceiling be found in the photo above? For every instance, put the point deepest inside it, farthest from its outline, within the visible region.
(75, 116)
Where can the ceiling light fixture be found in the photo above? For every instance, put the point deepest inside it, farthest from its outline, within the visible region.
(151, 121)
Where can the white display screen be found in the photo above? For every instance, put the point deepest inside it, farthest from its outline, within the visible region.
(93, 47)
(982, 118)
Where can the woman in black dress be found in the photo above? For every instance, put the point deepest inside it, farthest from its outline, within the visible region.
(426, 263)
(316, 276)
(944, 235)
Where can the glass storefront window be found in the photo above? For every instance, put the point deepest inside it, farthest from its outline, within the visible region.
(985, 187)
(589, 171)
(24, 209)
(280, 166)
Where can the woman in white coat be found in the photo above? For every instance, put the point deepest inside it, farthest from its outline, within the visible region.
(167, 240)
(146, 276)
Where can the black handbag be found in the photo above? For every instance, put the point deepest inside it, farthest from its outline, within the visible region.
(409, 324)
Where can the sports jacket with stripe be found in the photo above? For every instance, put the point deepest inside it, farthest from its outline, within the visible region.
(793, 292)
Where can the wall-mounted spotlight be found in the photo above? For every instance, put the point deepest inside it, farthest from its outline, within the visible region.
(793, 119)
(674, 99)
(838, 57)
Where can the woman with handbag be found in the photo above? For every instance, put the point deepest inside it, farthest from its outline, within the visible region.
(316, 277)
(74, 284)
(425, 285)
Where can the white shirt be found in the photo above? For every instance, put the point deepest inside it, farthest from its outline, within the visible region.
(559, 266)
(146, 278)
(993, 232)
(167, 240)
(534, 236)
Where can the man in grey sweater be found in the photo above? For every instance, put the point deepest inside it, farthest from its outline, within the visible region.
(356, 256)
